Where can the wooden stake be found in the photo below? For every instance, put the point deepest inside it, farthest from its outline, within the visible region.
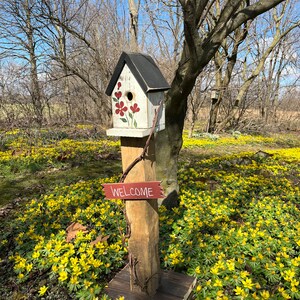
(143, 219)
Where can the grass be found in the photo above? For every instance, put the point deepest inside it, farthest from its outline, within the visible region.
(236, 228)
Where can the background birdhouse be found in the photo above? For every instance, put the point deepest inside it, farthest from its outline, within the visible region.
(136, 88)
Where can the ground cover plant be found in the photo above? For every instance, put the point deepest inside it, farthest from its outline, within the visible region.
(236, 229)
(33, 160)
(36, 150)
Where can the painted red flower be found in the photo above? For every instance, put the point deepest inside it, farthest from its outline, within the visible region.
(135, 108)
(118, 94)
(119, 85)
(121, 108)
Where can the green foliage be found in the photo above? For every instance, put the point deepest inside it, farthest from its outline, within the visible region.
(236, 134)
(237, 227)
(31, 160)
(205, 135)
(207, 140)
(32, 151)
(79, 265)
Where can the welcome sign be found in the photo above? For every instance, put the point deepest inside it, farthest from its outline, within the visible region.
(133, 191)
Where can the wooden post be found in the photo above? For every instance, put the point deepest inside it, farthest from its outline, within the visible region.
(143, 219)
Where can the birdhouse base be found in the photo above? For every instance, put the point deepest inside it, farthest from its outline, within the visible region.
(128, 132)
(173, 286)
(132, 132)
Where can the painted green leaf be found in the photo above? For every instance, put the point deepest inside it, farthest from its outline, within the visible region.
(135, 124)
(115, 99)
(130, 114)
(124, 120)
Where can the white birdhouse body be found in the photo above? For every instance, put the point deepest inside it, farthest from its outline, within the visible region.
(129, 102)
(134, 103)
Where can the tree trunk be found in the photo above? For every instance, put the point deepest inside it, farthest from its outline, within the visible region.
(169, 141)
(191, 129)
(213, 115)
(35, 86)
(62, 52)
(133, 29)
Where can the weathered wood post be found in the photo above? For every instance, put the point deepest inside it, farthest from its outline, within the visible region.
(137, 89)
(143, 219)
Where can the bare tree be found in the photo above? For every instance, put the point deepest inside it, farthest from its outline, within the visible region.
(198, 50)
(282, 27)
(86, 38)
(225, 60)
(9, 75)
(198, 98)
(59, 45)
(165, 30)
(19, 38)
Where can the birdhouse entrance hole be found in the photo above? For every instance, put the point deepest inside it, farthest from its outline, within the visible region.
(129, 96)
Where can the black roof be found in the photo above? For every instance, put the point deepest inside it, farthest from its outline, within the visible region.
(144, 70)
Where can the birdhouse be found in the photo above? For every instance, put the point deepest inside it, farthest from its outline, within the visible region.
(136, 88)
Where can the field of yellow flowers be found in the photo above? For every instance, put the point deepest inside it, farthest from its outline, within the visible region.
(236, 229)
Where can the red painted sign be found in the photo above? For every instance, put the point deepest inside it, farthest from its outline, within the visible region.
(133, 191)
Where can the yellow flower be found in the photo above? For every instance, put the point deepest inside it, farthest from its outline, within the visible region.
(64, 260)
(284, 294)
(42, 290)
(254, 295)
(63, 275)
(265, 294)
(94, 276)
(198, 288)
(230, 265)
(36, 254)
(87, 283)
(295, 262)
(260, 256)
(218, 283)
(58, 246)
(294, 289)
(247, 283)
(244, 274)
(29, 267)
(21, 264)
(96, 263)
(208, 282)
(294, 282)
(288, 275)
(240, 292)
(74, 280)
(215, 270)
(176, 257)
(76, 270)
